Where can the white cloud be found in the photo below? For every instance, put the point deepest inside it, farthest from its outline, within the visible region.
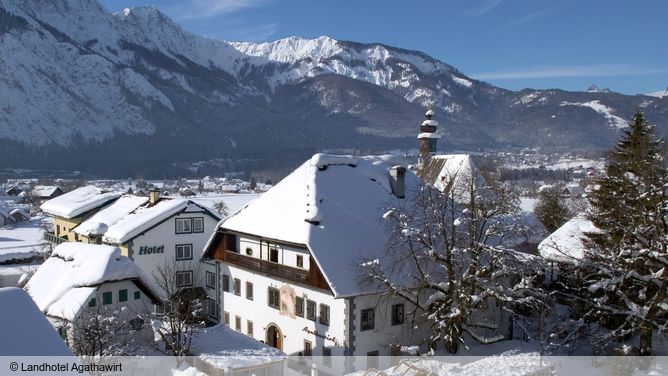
(194, 9)
(596, 70)
(483, 8)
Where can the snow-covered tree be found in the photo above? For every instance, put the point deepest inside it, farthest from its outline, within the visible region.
(105, 331)
(626, 262)
(181, 313)
(444, 259)
(221, 208)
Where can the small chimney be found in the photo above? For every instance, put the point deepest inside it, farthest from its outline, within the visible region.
(398, 181)
(153, 196)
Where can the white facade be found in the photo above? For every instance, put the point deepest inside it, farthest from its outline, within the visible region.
(123, 301)
(341, 334)
(157, 246)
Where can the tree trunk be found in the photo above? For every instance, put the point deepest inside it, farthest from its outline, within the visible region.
(645, 338)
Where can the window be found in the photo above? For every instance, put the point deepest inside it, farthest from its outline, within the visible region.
(136, 324)
(237, 287)
(397, 314)
(184, 252)
(273, 255)
(137, 295)
(63, 332)
(249, 327)
(300, 261)
(237, 323)
(212, 308)
(310, 309)
(123, 295)
(324, 314)
(273, 297)
(184, 225)
(249, 251)
(106, 298)
(57, 230)
(92, 302)
(249, 290)
(299, 306)
(184, 278)
(372, 360)
(226, 318)
(368, 319)
(308, 348)
(226, 283)
(198, 224)
(327, 356)
(210, 280)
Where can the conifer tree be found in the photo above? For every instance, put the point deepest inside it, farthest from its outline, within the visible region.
(551, 210)
(626, 261)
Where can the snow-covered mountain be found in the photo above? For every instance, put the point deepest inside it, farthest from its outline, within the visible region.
(660, 93)
(83, 88)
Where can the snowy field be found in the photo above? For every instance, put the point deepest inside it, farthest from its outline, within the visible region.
(24, 240)
(234, 201)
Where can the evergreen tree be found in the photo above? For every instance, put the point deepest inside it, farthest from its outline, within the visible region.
(626, 261)
(551, 210)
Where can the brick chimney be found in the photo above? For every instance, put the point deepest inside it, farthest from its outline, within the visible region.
(153, 196)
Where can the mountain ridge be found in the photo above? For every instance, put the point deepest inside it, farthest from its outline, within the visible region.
(82, 80)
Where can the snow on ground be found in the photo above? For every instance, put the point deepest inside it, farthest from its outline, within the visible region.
(528, 204)
(659, 94)
(613, 120)
(11, 274)
(224, 348)
(24, 240)
(234, 201)
(25, 330)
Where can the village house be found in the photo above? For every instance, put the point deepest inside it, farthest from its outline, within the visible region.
(81, 282)
(564, 248)
(46, 192)
(286, 268)
(72, 208)
(152, 231)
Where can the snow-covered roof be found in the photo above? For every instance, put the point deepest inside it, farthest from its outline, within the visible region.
(64, 283)
(566, 243)
(429, 135)
(333, 205)
(78, 201)
(45, 190)
(452, 173)
(25, 330)
(105, 218)
(224, 348)
(141, 219)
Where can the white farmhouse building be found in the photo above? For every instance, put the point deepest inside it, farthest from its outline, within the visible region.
(80, 281)
(285, 268)
(169, 234)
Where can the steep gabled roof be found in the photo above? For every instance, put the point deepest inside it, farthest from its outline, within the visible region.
(99, 223)
(25, 330)
(78, 201)
(452, 173)
(566, 243)
(144, 218)
(334, 206)
(64, 283)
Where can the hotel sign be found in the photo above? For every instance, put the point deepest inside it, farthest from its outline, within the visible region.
(151, 250)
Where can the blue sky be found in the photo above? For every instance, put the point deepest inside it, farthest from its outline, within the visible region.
(514, 44)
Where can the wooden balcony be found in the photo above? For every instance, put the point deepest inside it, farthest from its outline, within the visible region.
(269, 268)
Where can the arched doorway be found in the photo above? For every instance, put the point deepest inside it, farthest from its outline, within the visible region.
(274, 337)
